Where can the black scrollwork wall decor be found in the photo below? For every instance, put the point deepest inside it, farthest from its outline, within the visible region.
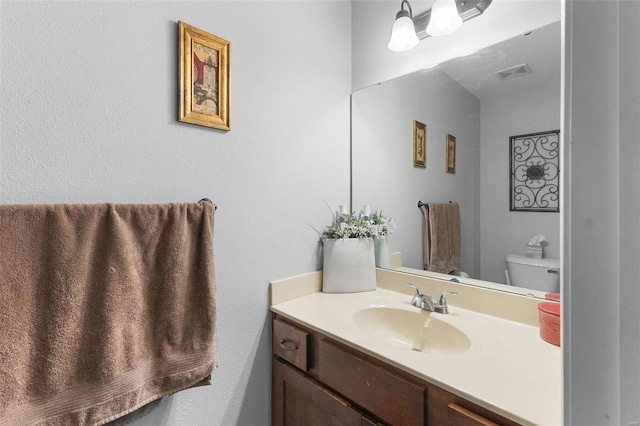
(535, 172)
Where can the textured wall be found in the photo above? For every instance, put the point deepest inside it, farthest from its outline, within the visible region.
(592, 361)
(597, 246)
(89, 106)
(504, 231)
(629, 210)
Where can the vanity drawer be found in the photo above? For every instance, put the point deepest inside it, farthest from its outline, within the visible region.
(291, 344)
(460, 416)
(386, 395)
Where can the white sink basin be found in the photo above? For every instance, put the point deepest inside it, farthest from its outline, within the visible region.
(414, 330)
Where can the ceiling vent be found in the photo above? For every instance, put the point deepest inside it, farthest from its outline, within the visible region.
(513, 72)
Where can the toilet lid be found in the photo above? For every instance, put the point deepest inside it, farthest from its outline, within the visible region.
(545, 262)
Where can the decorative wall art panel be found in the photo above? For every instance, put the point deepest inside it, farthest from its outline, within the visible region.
(535, 172)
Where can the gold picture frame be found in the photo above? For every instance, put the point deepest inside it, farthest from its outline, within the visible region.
(419, 144)
(204, 78)
(450, 159)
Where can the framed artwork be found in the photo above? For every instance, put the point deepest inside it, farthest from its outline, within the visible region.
(419, 144)
(535, 172)
(450, 156)
(204, 78)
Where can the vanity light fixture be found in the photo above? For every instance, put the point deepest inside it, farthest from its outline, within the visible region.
(403, 33)
(443, 18)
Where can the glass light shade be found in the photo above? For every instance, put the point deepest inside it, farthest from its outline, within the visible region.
(444, 18)
(403, 33)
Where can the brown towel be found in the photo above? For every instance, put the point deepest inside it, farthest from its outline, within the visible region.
(441, 237)
(103, 308)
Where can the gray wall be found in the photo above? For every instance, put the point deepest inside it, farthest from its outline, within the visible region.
(503, 231)
(601, 338)
(383, 171)
(629, 243)
(89, 114)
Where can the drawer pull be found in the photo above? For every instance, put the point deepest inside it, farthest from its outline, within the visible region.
(291, 344)
(288, 346)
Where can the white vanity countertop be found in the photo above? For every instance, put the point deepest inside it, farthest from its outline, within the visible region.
(507, 369)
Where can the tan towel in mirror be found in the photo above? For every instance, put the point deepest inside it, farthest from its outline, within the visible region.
(103, 308)
(441, 237)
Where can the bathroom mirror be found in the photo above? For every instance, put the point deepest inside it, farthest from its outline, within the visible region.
(481, 99)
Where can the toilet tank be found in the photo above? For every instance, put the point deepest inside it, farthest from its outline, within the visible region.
(537, 274)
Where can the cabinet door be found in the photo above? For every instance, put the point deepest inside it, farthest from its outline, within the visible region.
(299, 400)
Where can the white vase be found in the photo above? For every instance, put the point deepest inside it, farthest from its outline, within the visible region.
(383, 252)
(349, 265)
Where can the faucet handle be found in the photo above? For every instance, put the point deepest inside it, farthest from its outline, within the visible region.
(419, 299)
(418, 292)
(442, 300)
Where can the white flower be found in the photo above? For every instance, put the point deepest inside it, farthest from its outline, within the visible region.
(359, 226)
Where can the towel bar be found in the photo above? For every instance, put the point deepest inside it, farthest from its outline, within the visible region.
(210, 202)
(421, 204)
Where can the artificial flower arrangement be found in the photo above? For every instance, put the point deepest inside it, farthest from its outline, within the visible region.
(362, 225)
(350, 247)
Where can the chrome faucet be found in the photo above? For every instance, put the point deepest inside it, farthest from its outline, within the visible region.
(425, 302)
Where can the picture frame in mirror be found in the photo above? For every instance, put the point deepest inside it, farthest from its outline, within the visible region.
(419, 144)
(450, 156)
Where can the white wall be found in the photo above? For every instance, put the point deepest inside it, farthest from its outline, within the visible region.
(89, 107)
(629, 210)
(504, 231)
(372, 20)
(383, 171)
(600, 335)
(591, 330)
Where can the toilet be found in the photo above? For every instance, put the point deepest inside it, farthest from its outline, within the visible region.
(537, 274)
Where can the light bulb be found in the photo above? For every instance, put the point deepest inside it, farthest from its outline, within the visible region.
(444, 18)
(403, 33)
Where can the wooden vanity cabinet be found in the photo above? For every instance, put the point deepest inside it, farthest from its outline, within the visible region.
(318, 381)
